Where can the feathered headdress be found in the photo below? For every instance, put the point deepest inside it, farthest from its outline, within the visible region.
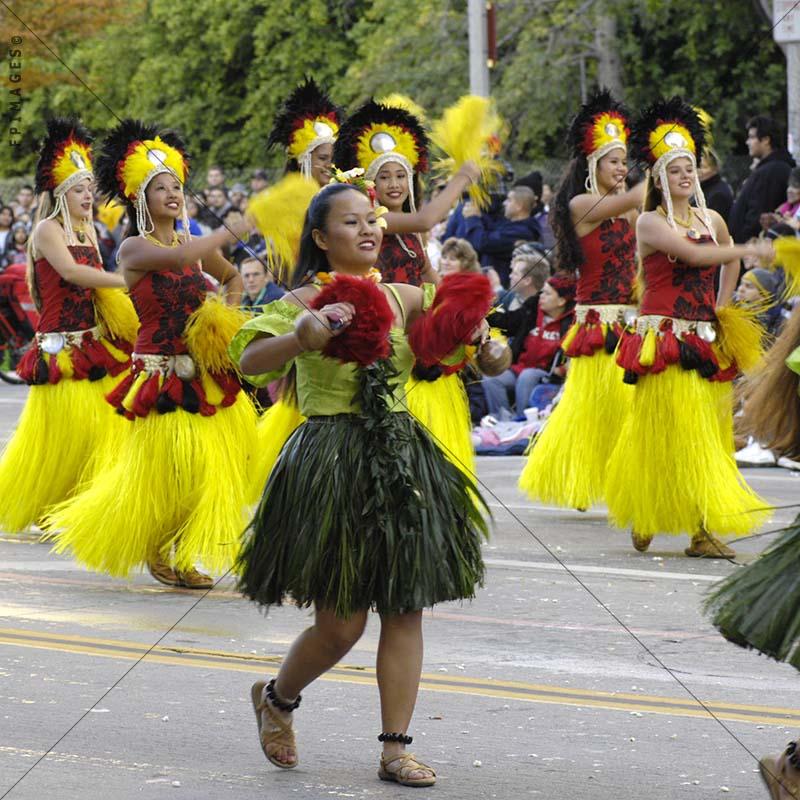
(599, 127)
(307, 119)
(65, 161)
(131, 156)
(376, 135)
(667, 130)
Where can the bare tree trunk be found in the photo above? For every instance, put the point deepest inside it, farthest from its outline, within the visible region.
(609, 66)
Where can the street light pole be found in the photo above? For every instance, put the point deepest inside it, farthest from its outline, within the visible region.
(478, 48)
(786, 32)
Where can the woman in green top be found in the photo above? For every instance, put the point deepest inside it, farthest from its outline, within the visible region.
(362, 511)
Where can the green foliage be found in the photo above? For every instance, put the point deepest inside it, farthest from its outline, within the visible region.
(217, 71)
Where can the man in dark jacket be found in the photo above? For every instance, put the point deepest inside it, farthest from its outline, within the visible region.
(494, 241)
(765, 189)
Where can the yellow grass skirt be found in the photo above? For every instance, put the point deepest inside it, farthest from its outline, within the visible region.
(673, 470)
(59, 441)
(568, 460)
(177, 491)
(442, 408)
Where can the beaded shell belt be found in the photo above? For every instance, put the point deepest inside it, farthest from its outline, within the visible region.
(707, 331)
(624, 314)
(182, 365)
(54, 342)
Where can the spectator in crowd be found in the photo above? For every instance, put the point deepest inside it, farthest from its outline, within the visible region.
(196, 228)
(765, 188)
(25, 202)
(6, 221)
(495, 241)
(15, 250)
(238, 196)
(530, 268)
(761, 288)
(533, 181)
(547, 196)
(258, 181)
(537, 350)
(259, 288)
(241, 249)
(217, 206)
(716, 189)
(215, 178)
(788, 212)
(458, 255)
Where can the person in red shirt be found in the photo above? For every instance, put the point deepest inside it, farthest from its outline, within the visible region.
(542, 344)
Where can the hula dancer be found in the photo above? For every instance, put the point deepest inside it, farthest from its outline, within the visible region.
(758, 605)
(390, 144)
(593, 220)
(177, 489)
(84, 336)
(673, 469)
(361, 511)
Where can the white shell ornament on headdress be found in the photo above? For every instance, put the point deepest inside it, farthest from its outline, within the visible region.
(382, 142)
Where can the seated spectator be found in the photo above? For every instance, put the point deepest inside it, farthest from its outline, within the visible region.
(259, 288)
(539, 354)
(15, 250)
(458, 255)
(217, 206)
(6, 221)
(238, 196)
(494, 241)
(761, 288)
(215, 178)
(530, 268)
(534, 182)
(787, 212)
(196, 228)
(259, 181)
(25, 202)
(243, 248)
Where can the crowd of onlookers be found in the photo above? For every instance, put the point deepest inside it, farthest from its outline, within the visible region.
(510, 241)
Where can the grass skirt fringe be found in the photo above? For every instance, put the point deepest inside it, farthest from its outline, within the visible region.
(179, 481)
(276, 425)
(357, 515)
(758, 606)
(673, 470)
(442, 408)
(59, 442)
(567, 462)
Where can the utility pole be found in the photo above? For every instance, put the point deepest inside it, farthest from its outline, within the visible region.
(478, 48)
(786, 31)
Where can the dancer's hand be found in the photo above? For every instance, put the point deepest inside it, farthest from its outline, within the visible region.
(314, 329)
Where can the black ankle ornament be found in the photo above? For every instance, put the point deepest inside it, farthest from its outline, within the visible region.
(281, 705)
(400, 738)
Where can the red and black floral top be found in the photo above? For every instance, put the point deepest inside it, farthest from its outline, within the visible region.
(396, 265)
(673, 289)
(164, 301)
(607, 274)
(68, 344)
(64, 305)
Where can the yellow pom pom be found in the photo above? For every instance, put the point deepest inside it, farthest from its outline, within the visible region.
(214, 395)
(647, 354)
(787, 255)
(116, 314)
(209, 331)
(279, 213)
(127, 402)
(741, 335)
(470, 131)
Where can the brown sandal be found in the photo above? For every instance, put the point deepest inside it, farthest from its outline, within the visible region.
(704, 545)
(282, 736)
(408, 764)
(775, 772)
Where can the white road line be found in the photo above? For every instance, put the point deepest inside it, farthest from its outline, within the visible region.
(585, 569)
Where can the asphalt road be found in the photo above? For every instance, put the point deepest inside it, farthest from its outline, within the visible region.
(584, 672)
